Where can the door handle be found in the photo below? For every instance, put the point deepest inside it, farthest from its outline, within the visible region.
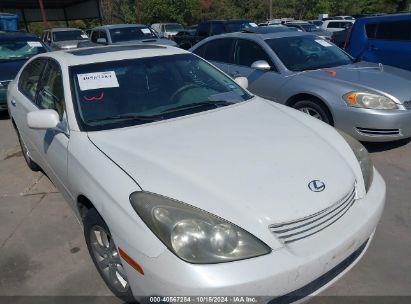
(13, 102)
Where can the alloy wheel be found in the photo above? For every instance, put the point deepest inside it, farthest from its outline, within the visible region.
(312, 112)
(108, 258)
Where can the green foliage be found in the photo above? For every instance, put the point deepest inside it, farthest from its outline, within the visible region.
(193, 11)
(167, 10)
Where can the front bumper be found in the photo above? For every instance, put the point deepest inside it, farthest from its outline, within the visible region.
(282, 272)
(374, 125)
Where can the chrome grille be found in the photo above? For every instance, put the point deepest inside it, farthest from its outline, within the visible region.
(299, 229)
(379, 132)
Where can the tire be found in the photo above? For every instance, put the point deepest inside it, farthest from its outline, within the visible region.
(26, 154)
(314, 109)
(105, 256)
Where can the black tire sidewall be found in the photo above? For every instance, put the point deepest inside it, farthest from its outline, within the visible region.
(325, 116)
(92, 219)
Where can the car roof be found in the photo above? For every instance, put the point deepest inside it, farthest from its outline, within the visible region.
(228, 20)
(17, 35)
(268, 30)
(63, 29)
(297, 22)
(263, 36)
(401, 16)
(338, 20)
(111, 53)
(117, 26)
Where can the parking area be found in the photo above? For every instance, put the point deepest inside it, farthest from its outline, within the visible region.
(43, 253)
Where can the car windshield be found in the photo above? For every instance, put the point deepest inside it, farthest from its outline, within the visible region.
(69, 35)
(174, 27)
(237, 26)
(123, 93)
(310, 27)
(300, 53)
(131, 33)
(20, 49)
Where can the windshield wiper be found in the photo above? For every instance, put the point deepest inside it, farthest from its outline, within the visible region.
(143, 118)
(194, 105)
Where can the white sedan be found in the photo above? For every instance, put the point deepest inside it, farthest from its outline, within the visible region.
(185, 183)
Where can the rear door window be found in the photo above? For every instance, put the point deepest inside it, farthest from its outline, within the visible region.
(397, 30)
(220, 50)
(200, 50)
(103, 35)
(247, 52)
(30, 77)
(94, 36)
(333, 25)
(371, 30)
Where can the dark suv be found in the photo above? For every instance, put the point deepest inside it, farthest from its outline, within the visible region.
(382, 39)
(210, 28)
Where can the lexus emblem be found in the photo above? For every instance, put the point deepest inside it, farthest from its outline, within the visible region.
(316, 185)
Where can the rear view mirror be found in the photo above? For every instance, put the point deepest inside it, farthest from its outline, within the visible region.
(102, 40)
(43, 119)
(261, 65)
(242, 82)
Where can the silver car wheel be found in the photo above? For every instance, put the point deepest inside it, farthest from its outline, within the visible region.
(108, 258)
(312, 112)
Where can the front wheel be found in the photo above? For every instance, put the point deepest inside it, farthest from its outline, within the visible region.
(105, 256)
(314, 109)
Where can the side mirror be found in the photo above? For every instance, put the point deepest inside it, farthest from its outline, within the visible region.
(43, 119)
(102, 40)
(242, 82)
(261, 65)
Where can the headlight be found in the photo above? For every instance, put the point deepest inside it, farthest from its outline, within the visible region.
(363, 158)
(369, 101)
(194, 235)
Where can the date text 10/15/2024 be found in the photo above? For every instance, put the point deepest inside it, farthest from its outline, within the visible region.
(206, 299)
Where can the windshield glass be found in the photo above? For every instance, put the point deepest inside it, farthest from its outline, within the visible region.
(131, 33)
(69, 35)
(237, 26)
(302, 53)
(129, 92)
(174, 27)
(310, 27)
(20, 49)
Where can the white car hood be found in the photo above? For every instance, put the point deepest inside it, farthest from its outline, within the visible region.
(249, 163)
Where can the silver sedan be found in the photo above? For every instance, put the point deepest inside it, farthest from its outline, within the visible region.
(370, 101)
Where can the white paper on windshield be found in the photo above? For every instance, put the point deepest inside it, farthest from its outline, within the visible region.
(100, 80)
(146, 31)
(253, 24)
(84, 36)
(323, 43)
(34, 44)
